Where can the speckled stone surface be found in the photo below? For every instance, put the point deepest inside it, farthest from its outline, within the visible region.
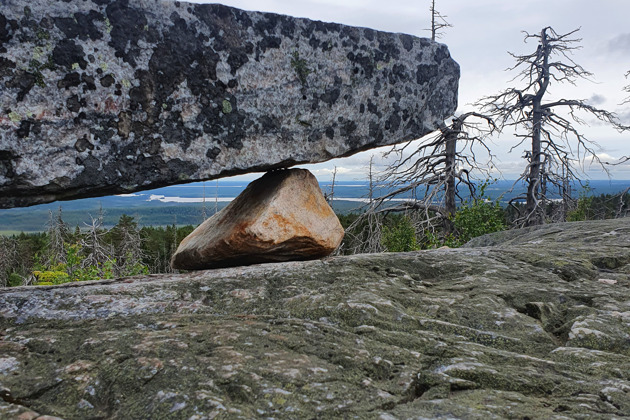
(535, 326)
(111, 96)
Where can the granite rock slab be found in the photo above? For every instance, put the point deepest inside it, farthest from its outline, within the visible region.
(113, 96)
(524, 324)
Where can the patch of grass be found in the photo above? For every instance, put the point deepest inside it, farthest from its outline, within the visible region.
(300, 67)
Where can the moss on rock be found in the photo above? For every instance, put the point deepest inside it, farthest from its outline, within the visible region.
(486, 332)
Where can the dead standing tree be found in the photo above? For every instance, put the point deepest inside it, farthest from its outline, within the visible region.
(626, 101)
(437, 170)
(432, 175)
(556, 144)
(97, 251)
(438, 22)
(58, 233)
(364, 234)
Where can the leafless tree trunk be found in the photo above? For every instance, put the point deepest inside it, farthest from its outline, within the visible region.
(450, 168)
(58, 232)
(204, 215)
(97, 252)
(626, 101)
(438, 22)
(216, 197)
(622, 209)
(549, 126)
(330, 195)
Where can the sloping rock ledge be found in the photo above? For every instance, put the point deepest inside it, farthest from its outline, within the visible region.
(535, 326)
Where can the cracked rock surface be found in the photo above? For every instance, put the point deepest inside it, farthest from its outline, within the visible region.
(524, 324)
(112, 96)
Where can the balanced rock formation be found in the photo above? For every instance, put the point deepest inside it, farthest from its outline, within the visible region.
(535, 326)
(109, 96)
(281, 216)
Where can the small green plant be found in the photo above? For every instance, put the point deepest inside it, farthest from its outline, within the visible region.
(432, 240)
(49, 277)
(300, 67)
(136, 268)
(479, 217)
(584, 205)
(472, 219)
(14, 280)
(73, 258)
(401, 237)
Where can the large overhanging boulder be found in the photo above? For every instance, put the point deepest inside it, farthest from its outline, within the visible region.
(111, 96)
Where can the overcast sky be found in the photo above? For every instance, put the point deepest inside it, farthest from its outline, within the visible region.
(482, 34)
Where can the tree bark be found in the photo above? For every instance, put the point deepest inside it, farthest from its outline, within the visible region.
(433, 29)
(532, 206)
(449, 190)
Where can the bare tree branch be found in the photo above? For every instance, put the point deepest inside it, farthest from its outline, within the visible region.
(558, 149)
(426, 182)
(627, 89)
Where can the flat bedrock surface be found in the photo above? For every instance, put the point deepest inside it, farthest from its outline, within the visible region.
(536, 325)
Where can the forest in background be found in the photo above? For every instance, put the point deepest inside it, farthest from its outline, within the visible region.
(63, 253)
(347, 197)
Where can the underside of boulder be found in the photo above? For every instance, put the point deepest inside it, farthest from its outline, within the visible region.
(534, 326)
(113, 96)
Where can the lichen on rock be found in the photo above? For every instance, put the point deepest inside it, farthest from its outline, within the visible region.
(163, 88)
(478, 332)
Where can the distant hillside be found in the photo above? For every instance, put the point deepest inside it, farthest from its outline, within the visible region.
(182, 204)
(35, 219)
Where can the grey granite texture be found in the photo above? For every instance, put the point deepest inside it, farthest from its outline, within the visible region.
(536, 326)
(112, 96)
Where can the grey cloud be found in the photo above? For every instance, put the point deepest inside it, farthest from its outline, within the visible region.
(597, 99)
(620, 43)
